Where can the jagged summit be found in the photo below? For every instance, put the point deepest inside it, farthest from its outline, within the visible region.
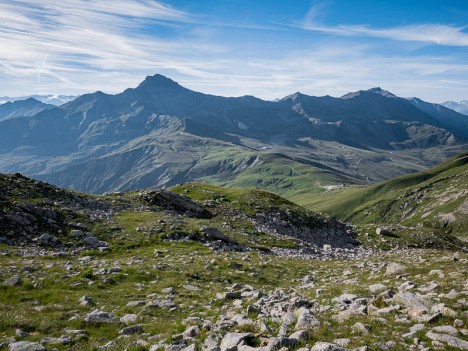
(376, 90)
(158, 81)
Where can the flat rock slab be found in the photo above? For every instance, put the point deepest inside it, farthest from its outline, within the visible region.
(416, 304)
(449, 340)
(100, 317)
(231, 340)
(26, 346)
(325, 346)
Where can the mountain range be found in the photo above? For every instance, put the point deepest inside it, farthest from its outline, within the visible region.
(459, 106)
(56, 100)
(22, 108)
(160, 133)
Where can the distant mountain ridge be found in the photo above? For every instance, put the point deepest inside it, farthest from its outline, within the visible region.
(161, 133)
(459, 106)
(22, 108)
(56, 100)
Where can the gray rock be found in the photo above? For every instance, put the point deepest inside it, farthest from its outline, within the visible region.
(445, 329)
(383, 232)
(216, 234)
(231, 340)
(416, 304)
(343, 342)
(160, 303)
(191, 332)
(192, 347)
(100, 317)
(94, 242)
(376, 288)
(345, 298)
(26, 346)
(13, 281)
(21, 333)
(76, 233)
(299, 336)
(45, 239)
(288, 319)
(129, 318)
(394, 268)
(437, 272)
(110, 345)
(134, 329)
(306, 321)
(360, 328)
(408, 285)
(85, 300)
(172, 200)
(63, 340)
(428, 288)
(449, 340)
(325, 346)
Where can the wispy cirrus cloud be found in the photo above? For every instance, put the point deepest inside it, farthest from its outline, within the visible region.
(65, 43)
(77, 46)
(439, 34)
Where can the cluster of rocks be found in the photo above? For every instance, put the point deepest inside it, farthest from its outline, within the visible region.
(169, 200)
(252, 319)
(285, 320)
(309, 228)
(36, 212)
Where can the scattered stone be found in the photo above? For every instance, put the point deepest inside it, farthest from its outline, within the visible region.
(85, 300)
(134, 329)
(100, 317)
(191, 332)
(360, 328)
(26, 346)
(216, 234)
(129, 318)
(376, 288)
(13, 281)
(437, 272)
(449, 340)
(445, 329)
(21, 333)
(394, 268)
(231, 340)
(306, 321)
(416, 304)
(325, 346)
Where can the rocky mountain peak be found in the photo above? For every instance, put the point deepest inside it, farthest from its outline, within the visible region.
(158, 81)
(376, 91)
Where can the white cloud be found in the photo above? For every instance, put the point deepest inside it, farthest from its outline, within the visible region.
(425, 33)
(81, 37)
(78, 46)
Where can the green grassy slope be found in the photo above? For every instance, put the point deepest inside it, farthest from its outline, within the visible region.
(435, 198)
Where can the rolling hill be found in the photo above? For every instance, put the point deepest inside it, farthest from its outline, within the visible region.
(436, 199)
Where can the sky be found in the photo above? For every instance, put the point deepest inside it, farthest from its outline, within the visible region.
(265, 48)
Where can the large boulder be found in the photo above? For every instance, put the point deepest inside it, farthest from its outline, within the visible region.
(173, 201)
(232, 340)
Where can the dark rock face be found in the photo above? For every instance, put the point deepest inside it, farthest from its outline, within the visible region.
(307, 228)
(172, 201)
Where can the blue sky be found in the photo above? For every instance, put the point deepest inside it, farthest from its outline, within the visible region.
(264, 48)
